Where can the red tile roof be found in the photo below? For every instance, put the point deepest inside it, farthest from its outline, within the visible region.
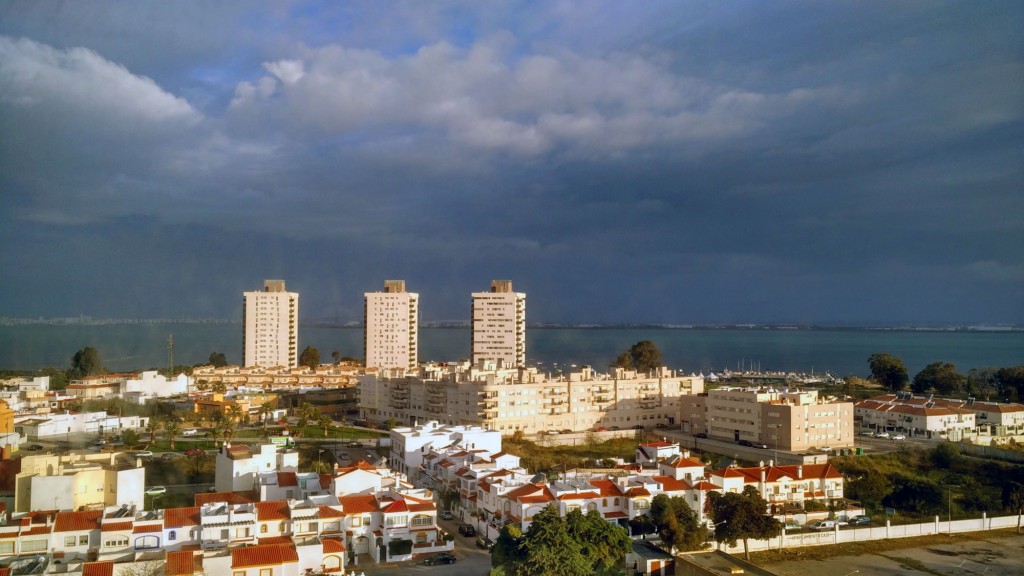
(263, 555)
(230, 497)
(182, 563)
(287, 479)
(98, 569)
(149, 528)
(333, 545)
(76, 521)
(358, 503)
(115, 526)
(394, 507)
(272, 510)
(180, 517)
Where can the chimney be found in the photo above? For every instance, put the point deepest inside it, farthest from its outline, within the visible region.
(800, 471)
(762, 473)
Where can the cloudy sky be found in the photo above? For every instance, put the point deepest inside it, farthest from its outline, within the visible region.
(677, 162)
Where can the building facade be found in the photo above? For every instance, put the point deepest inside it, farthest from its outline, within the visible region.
(791, 420)
(270, 326)
(391, 327)
(508, 400)
(499, 326)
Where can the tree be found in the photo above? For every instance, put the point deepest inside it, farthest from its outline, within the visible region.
(939, 376)
(1010, 383)
(888, 371)
(643, 356)
(218, 359)
(153, 428)
(264, 411)
(677, 523)
(602, 544)
(548, 549)
(337, 356)
(173, 427)
(982, 381)
(323, 421)
(305, 413)
(741, 517)
(870, 488)
(130, 437)
(508, 548)
(85, 362)
(310, 358)
(945, 454)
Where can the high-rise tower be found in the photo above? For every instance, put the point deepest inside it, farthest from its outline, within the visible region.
(499, 326)
(391, 327)
(270, 326)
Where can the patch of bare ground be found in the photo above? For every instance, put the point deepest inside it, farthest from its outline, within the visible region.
(874, 547)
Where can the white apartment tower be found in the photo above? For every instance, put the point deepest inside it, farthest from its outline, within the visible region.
(271, 326)
(499, 326)
(391, 327)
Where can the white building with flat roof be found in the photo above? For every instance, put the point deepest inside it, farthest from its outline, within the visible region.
(409, 445)
(499, 326)
(391, 327)
(270, 326)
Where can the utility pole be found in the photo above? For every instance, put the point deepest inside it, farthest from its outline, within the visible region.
(949, 505)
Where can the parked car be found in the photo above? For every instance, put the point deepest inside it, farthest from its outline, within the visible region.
(745, 443)
(867, 433)
(189, 432)
(882, 435)
(142, 454)
(600, 429)
(661, 425)
(484, 543)
(467, 530)
(194, 452)
(823, 525)
(446, 515)
(638, 427)
(442, 558)
(860, 520)
(826, 449)
(899, 437)
(566, 431)
(791, 525)
(155, 490)
(613, 428)
(35, 447)
(701, 435)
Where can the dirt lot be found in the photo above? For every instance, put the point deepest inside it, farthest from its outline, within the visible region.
(995, 553)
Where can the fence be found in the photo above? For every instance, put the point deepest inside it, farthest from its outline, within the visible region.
(837, 536)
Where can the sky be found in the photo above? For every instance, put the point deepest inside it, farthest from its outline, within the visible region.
(833, 163)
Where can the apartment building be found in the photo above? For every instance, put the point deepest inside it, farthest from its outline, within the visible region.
(524, 399)
(391, 327)
(270, 335)
(792, 420)
(325, 375)
(499, 326)
(77, 481)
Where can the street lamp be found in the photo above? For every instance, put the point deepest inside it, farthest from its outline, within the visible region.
(949, 504)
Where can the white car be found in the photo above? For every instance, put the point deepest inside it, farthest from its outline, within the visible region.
(899, 437)
(189, 432)
(155, 490)
(882, 435)
(826, 449)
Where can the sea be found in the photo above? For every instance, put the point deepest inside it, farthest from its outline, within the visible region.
(840, 352)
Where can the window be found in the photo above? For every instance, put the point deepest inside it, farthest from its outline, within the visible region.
(33, 546)
(6, 547)
(144, 542)
(264, 528)
(70, 540)
(172, 535)
(83, 540)
(115, 542)
(399, 520)
(266, 572)
(357, 521)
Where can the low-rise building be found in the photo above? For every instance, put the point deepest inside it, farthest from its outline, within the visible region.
(922, 416)
(409, 445)
(76, 481)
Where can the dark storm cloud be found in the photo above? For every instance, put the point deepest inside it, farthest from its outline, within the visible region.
(852, 163)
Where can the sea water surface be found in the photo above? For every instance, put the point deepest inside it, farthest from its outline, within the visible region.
(700, 350)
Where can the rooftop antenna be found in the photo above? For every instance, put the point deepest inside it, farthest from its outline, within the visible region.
(170, 355)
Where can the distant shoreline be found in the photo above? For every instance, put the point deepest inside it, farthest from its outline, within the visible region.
(457, 324)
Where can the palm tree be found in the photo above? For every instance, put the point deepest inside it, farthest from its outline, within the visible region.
(153, 428)
(264, 411)
(235, 414)
(323, 421)
(173, 427)
(305, 412)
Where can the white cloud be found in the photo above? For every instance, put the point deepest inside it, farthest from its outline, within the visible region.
(492, 98)
(80, 81)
